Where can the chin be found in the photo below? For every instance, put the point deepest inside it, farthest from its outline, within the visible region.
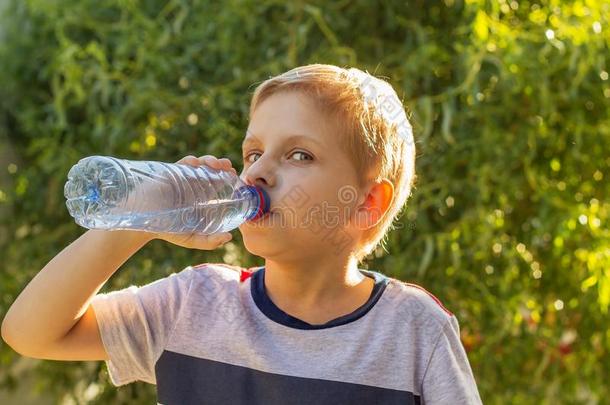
(268, 240)
(262, 246)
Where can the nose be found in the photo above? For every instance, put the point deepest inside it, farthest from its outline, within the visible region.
(259, 175)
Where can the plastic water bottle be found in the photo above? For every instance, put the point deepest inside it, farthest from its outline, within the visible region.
(104, 192)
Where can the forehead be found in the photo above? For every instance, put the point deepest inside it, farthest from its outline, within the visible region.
(289, 116)
(254, 139)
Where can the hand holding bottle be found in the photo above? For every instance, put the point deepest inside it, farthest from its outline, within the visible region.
(193, 240)
(192, 203)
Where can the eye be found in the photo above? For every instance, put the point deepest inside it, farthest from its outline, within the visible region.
(303, 154)
(246, 157)
(307, 155)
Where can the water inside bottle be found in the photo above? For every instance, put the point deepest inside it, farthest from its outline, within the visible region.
(93, 187)
(104, 193)
(210, 217)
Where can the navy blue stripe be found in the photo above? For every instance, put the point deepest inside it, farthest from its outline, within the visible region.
(185, 380)
(273, 312)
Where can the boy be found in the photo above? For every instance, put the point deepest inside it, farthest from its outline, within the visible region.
(308, 327)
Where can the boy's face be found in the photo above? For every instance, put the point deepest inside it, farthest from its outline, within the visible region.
(310, 180)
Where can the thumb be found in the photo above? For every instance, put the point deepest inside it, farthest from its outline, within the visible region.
(215, 239)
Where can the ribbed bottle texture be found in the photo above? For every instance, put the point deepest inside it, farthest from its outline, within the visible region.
(104, 192)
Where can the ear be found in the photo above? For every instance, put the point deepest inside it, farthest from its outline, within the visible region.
(376, 202)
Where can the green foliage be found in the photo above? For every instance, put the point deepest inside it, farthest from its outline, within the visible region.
(510, 102)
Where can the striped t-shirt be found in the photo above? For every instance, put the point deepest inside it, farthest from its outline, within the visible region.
(210, 334)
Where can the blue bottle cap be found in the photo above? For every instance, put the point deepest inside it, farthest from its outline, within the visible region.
(264, 202)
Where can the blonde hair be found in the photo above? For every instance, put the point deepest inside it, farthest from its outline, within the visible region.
(371, 121)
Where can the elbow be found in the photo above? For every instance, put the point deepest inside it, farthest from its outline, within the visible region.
(13, 342)
(10, 337)
(7, 333)
(19, 340)
(4, 330)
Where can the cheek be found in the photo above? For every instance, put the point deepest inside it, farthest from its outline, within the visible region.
(326, 210)
(302, 195)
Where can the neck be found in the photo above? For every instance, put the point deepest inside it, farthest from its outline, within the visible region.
(317, 286)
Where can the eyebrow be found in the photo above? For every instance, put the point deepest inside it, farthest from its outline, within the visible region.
(254, 140)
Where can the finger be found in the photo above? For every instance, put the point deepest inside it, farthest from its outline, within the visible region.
(209, 160)
(225, 237)
(215, 163)
(226, 163)
(204, 242)
(184, 158)
(218, 239)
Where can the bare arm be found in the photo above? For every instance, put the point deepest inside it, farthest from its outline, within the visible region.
(59, 295)
(52, 317)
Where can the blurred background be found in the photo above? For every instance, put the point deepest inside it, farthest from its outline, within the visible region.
(510, 103)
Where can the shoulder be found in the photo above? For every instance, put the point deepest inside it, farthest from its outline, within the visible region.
(222, 271)
(219, 287)
(417, 303)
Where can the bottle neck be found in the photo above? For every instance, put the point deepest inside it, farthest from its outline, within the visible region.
(261, 201)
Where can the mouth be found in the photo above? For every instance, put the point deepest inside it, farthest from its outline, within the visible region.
(269, 213)
(264, 216)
